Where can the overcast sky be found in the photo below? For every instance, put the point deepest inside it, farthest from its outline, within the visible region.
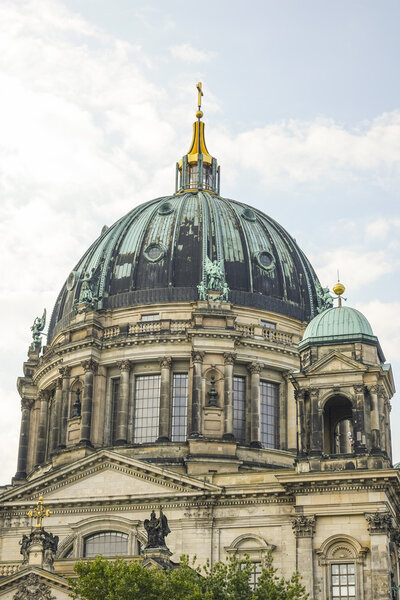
(97, 99)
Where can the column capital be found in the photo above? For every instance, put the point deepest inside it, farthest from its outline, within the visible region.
(197, 357)
(359, 389)
(303, 527)
(65, 372)
(124, 365)
(313, 393)
(165, 362)
(379, 522)
(90, 365)
(59, 383)
(255, 368)
(299, 394)
(382, 391)
(229, 358)
(373, 389)
(26, 403)
(43, 395)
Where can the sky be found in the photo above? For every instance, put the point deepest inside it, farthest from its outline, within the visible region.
(97, 100)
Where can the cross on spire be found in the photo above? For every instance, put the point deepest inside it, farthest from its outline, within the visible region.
(39, 512)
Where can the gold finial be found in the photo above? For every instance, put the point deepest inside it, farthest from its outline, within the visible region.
(199, 113)
(339, 289)
(39, 512)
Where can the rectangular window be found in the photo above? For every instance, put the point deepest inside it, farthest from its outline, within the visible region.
(114, 410)
(150, 317)
(269, 414)
(147, 408)
(179, 406)
(343, 581)
(239, 408)
(255, 574)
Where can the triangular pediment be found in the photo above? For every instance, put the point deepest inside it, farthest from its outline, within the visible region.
(335, 362)
(107, 474)
(33, 582)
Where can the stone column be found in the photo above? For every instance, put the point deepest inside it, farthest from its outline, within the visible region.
(301, 423)
(388, 408)
(255, 433)
(23, 439)
(228, 396)
(108, 414)
(42, 429)
(197, 394)
(303, 529)
(123, 400)
(360, 439)
(65, 372)
(376, 438)
(56, 416)
(379, 527)
(165, 399)
(315, 423)
(382, 416)
(90, 367)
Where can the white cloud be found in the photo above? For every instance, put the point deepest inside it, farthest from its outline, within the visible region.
(384, 318)
(189, 54)
(296, 151)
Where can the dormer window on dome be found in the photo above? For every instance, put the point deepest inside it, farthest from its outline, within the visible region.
(198, 170)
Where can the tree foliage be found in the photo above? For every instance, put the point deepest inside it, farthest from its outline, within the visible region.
(103, 579)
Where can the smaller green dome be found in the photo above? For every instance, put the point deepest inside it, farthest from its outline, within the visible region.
(338, 324)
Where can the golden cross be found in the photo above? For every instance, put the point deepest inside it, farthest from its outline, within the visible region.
(200, 94)
(39, 512)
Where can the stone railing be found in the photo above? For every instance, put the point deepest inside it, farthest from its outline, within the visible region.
(111, 332)
(9, 568)
(149, 327)
(266, 333)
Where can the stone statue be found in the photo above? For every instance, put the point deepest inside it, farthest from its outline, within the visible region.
(48, 541)
(37, 328)
(24, 543)
(157, 530)
(76, 407)
(88, 296)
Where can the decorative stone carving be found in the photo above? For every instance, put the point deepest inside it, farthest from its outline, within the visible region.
(379, 522)
(255, 367)
(77, 405)
(37, 329)
(157, 530)
(197, 357)
(303, 526)
(65, 371)
(44, 540)
(325, 300)
(229, 358)
(32, 588)
(212, 393)
(124, 365)
(373, 389)
(165, 362)
(90, 365)
(213, 280)
(358, 389)
(59, 383)
(26, 403)
(299, 394)
(313, 393)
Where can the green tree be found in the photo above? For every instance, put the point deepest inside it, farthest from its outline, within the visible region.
(103, 579)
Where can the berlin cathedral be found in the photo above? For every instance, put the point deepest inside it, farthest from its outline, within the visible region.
(197, 376)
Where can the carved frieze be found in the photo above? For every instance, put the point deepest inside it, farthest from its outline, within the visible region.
(32, 588)
(303, 526)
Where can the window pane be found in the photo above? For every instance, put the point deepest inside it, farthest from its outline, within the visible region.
(255, 574)
(346, 577)
(147, 408)
(269, 417)
(239, 408)
(108, 543)
(179, 407)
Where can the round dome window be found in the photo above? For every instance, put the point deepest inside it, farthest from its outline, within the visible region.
(265, 260)
(154, 252)
(249, 214)
(72, 279)
(166, 208)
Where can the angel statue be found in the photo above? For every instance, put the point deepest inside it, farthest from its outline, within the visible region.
(37, 329)
(157, 530)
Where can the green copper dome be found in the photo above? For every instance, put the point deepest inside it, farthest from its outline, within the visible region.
(340, 324)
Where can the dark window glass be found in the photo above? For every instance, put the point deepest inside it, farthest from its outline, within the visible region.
(239, 408)
(179, 407)
(269, 417)
(147, 408)
(207, 177)
(343, 581)
(108, 543)
(115, 402)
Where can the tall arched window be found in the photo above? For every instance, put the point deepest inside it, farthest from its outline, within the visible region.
(338, 426)
(107, 543)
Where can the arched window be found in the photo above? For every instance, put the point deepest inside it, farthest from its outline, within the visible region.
(338, 426)
(108, 543)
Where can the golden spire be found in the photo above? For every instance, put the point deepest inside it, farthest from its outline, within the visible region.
(39, 512)
(199, 113)
(339, 289)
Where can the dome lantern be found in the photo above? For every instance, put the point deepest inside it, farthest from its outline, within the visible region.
(198, 170)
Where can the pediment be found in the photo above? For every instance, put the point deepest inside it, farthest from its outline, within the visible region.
(106, 474)
(335, 362)
(33, 582)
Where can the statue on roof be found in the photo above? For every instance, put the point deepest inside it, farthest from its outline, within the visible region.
(213, 280)
(37, 329)
(157, 530)
(325, 300)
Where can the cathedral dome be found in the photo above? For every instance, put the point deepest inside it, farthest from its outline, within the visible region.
(158, 252)
(341, 323)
